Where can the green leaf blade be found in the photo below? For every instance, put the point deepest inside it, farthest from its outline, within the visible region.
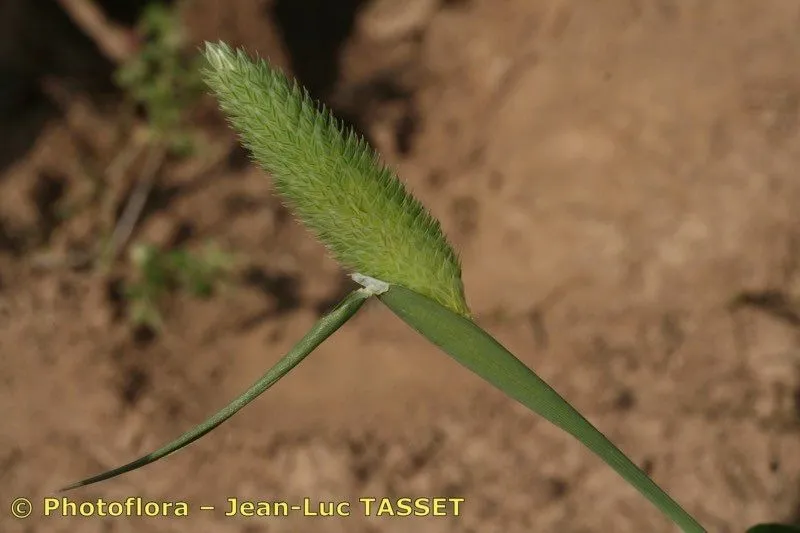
(324, 328)
(478, 351)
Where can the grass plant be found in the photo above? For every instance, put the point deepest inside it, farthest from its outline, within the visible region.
(335, 184)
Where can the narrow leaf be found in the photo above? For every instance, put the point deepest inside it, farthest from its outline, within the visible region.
(323, 329)
(475, 349)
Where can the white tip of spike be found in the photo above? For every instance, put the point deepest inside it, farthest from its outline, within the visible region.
(219, 55)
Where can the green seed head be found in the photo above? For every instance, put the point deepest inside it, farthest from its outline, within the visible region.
(333, 181)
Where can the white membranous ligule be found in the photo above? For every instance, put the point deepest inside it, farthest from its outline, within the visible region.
(374, 286)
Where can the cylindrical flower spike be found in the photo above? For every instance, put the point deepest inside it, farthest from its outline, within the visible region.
(334, 181)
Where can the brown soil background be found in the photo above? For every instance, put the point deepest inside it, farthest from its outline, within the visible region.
(615, 175)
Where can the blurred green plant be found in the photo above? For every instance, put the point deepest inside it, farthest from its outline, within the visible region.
(162, 77)
(159, 272)
(164, 80)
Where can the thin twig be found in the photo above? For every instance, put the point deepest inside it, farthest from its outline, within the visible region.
(156, 154)
(113, 40)
(116, 171)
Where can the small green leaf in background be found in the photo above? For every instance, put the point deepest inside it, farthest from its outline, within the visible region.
(162, 78)
(774, 528)
(198, 272)
(157, 273)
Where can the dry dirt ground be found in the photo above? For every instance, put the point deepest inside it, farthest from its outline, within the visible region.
(621, 180)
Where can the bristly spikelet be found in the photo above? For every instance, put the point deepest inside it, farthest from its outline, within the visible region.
(333, 180)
